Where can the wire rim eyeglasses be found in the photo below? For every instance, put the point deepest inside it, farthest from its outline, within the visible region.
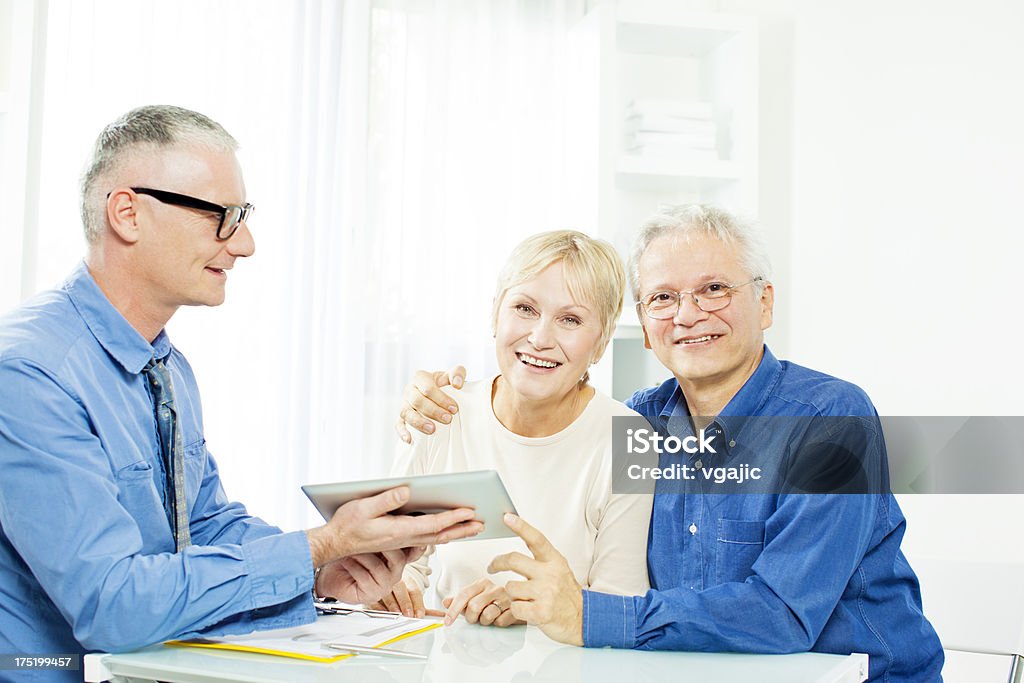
(709, 297)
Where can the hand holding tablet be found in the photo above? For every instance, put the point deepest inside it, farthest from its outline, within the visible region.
(480, 490)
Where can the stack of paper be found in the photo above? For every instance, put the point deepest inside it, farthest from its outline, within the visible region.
(684, 130)
(320, 640)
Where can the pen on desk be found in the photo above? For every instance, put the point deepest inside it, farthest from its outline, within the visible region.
(333, 608)
(359, 649)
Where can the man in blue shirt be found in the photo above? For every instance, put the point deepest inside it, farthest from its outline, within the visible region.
(747, 572)
(91, 553)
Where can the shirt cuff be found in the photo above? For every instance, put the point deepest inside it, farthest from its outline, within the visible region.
(414, 574)
(608, 620)
(279, 567)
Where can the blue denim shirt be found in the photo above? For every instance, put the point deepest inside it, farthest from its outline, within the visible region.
(774, 573)
(87, 557)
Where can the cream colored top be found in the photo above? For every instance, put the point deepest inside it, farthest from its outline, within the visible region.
(561, 484)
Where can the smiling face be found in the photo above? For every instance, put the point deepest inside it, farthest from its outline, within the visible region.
(182, 262)
(545, 340)
(705, 351)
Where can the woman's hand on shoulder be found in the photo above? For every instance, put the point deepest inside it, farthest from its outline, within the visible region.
(423, 402)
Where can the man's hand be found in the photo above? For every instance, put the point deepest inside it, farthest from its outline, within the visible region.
(423, 402)
(481, 602)
(364, 526)
(550, 598)
(407, 598)
(366, 577)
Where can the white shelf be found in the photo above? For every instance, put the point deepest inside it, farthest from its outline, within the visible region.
(721, 169)
(661, 175)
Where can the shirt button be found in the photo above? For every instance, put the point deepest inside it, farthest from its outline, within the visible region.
(698, 464)
(693, 528)
(732, 444)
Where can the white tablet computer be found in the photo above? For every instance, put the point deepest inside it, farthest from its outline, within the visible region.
(481, 490)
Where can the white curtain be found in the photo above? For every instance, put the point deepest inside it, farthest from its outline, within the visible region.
(395, 152)
(466, 159)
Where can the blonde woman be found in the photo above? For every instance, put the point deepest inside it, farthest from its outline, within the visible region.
(545, 429)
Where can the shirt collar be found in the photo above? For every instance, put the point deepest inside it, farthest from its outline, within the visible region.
(755, 391)
(115, 334)
(747, 402)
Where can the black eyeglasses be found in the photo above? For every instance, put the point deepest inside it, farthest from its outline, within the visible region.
(230, 216)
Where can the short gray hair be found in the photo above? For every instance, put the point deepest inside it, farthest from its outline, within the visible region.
(144, 129)
(689, 220)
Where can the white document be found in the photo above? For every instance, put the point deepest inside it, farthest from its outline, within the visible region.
(312, 640)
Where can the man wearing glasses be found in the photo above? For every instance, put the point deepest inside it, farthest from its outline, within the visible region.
(115, 532)
(773, 570)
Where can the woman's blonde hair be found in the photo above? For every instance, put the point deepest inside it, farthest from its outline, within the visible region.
(593, 272)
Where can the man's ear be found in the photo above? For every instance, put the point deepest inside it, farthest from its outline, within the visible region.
(767, 305)
(642, 319)
(122, 216)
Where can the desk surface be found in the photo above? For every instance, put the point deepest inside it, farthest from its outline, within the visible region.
(465, 652)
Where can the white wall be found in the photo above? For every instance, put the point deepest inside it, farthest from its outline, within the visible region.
(908, 163)
(904, 169)
(891, 159)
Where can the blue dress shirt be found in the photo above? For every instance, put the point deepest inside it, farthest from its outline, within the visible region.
(87, 558)
(774, 573)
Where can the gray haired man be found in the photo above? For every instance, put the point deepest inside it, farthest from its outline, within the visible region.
(115, 532)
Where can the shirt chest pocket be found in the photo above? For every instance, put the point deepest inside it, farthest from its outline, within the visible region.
(739, 544)
(138, 493)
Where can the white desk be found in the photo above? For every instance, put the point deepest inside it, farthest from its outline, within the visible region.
(464, 652)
